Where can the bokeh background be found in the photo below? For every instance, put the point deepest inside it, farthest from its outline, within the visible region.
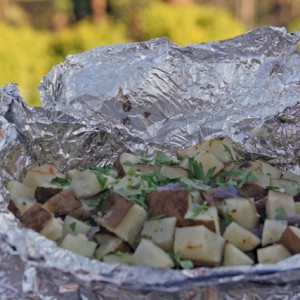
(37, 34)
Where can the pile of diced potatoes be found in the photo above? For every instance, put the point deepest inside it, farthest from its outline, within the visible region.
(147, 213)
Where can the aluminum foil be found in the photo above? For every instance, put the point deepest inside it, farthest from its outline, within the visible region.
(148, 96)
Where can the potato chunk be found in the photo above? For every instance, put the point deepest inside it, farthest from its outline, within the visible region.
(79, 244)
(150, 255)
(199, 244)
(272, 254)
(173, 172)
(272, 231)
(124, 218)
(235, 257)
(23, 204)
(18, 189)
(169, 203)
(53, 229)
(241, 210)
(278, 203)
(161, 232)
(108, 244)
(85, 183)
(241, 237)
(62, 203)
(74, 226)
(290, 238)
(40, 175)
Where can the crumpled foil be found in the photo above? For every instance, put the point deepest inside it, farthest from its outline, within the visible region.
(143, 97)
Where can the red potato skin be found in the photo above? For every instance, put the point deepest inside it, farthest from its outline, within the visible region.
(170, 203)
(43, 194)
(12, 207)
(62, 203)
(36, 217)
(115, 208)
(252, 190)
(290, 241)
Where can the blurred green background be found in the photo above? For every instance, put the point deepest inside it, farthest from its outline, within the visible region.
(37, 34)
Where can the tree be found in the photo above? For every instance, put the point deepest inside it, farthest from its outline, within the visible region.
(99, 10)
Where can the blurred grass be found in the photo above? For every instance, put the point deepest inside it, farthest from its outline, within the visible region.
(27, 54)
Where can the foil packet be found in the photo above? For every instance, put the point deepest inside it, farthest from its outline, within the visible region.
(145, 97)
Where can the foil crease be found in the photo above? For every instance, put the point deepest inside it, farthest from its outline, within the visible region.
(143, 97)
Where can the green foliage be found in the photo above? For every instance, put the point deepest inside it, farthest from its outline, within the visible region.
(85, 35)
(187, 24)
(23, 58)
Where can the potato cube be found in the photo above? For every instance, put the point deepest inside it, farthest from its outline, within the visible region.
(290, 238)
(23, 204)
(241, 237)
(79, 244)
(235, 257)
(279, 203)
(289, 186)
(241, 210)
(124, 163)
(173, 172)
(53, 229)
(40, 175)
(150, 255)
(85, 183)
(18, 189)
(118, 258)
(161, 232)
(272, 231)
(74, 226)
(108, 244)
(199, 244)
(272, 254)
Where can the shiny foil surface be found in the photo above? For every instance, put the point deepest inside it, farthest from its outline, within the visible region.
(144, 97)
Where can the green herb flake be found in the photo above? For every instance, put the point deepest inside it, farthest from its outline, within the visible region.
(200, 209)
(60, 181)
(119, 253)
(227, 217)
(162, 159)
(73, 226)
(194, 184)
(280, 212)
(179, 263)
(137, 240)
(157, 218)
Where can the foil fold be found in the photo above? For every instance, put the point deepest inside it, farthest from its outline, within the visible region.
(145, 97)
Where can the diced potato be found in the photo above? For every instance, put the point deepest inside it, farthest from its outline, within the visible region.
(43, 194)
(161, 232)
(289, 186)
(173, 172)
(279, 203)
(74, 226)
(241, 210)
(207, 160)
(79, 244)
(130, 225)
(290, 238)
(145, 169)
(53, 229)
(118, 258)
(62, 203)
(272, 254)
(262, 171)
(272, 231)
(36, 217)
(209, 214)
(150, 255)
(216, 147)
(241, 237)
(41, 175)
(23, 204)
(235, 257)
(133, 185)
(124, 163)
(199, 244)
(108, 244)
(85, 184)
(291, 176)
(18, 189)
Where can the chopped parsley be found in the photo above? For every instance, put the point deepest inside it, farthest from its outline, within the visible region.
(227, 217)
(162, 159)
(200, 209)
(137, 240)
(60, 181)
(73, 226)
(228, 150)
(280, 212)
(179, 263)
